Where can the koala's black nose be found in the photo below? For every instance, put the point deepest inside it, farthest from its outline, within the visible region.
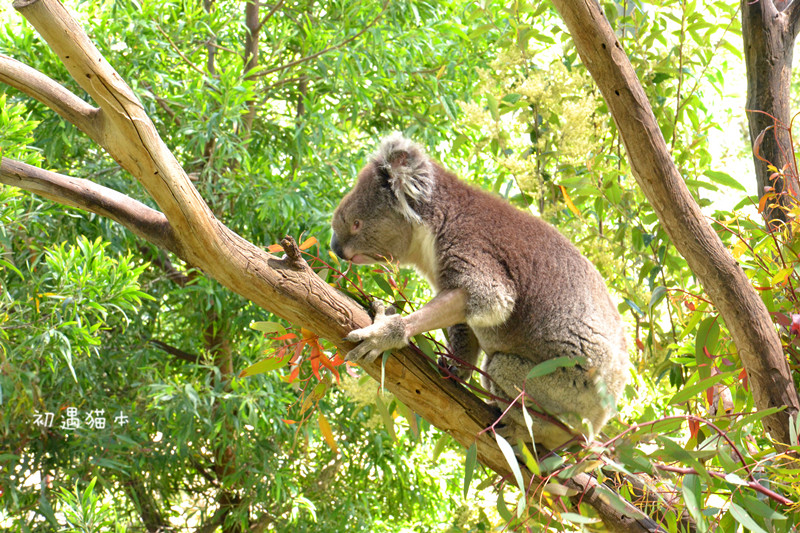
(336, 247)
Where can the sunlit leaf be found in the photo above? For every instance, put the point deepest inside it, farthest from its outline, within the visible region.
(469, 466)
(266, 365)
(327, 434)
(744, 518)
(511, 459)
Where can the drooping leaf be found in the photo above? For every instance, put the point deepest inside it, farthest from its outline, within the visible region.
(511, 459)
(469, 466)
(551, 365)
(744, 518)
(327, 434)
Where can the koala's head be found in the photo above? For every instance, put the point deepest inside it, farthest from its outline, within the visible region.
(376, 220)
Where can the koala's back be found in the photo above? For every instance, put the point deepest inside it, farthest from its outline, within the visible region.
(561, 305)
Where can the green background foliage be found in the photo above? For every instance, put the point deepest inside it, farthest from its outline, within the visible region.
(95, 319)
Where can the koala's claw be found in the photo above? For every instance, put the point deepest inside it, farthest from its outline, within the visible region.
(450, 368)
(388, 331)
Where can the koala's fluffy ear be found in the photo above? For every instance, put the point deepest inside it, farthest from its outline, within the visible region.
(407, 170)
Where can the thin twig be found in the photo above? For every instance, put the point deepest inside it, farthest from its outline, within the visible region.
(178, 51)
(326, 50)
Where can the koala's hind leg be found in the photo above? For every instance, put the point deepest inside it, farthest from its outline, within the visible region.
(567, 394)
(465, 349)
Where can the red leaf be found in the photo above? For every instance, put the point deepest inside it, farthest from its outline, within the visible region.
(743, 377)
(640, 344)
(293, 374)
(757, 144)
(315, 366)
(308, 243)
(781, 318)
(705, 351)
(762, 203)
(694, 427)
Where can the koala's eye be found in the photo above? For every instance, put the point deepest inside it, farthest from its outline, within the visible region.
(356, 225)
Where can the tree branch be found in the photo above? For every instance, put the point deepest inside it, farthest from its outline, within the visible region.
(143, 221)
(175, 352)
(52, 94)
(269, 15)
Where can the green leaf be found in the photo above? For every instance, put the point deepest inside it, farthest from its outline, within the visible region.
(502, 507)
(672, 450)
(656, 296)
(530, 461)
(469, 466)
(551, 365)
(635, 308)
(693, 496)
(529, 424)
(707, 337)
(381, 282)
(511, 459)
(690, 391)
(6, 264)
(267, 327)
(424, 344)
(578, 519)
(723, 178)
(745, 519)
(439, 446)
(266, 365)
(696, 317)
(386, 416)
(759, 508)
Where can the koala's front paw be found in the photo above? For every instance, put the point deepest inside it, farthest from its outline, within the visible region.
(388, 331)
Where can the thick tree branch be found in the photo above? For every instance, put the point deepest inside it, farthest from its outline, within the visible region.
(52, 94)
(143, 221)
(723, 279)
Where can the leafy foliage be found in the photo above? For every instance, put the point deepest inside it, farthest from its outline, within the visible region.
(94, 320)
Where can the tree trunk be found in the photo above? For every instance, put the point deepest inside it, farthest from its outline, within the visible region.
(253, 27)
(723, 279)
(769, 29)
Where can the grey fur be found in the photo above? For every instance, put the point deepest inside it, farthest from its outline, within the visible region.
(410, 171)
(530, 295)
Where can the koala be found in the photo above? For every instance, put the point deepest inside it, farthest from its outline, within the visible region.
(507, 284)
